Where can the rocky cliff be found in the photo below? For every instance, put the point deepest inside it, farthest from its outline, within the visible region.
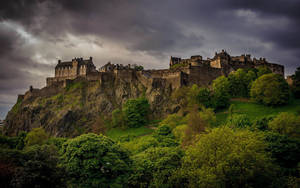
(76, 107)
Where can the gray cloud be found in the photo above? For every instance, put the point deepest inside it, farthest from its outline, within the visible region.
(35, 33)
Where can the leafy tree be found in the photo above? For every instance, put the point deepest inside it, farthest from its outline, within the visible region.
(35, 166)
(154, 167)
(173, 120)
(136, 112)
(179, 132)
(208, 116)
(227, 158)
(204, 97)
(36, 136)
(39, 168)
(270, 89)
(165, 136)
(95, 161)
(262, 123)
(195, 126)
(286, 123)
(240, 82)
(285, 151)
(221, 89)
(262, 70)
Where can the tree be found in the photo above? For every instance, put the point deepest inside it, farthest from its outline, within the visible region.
(39, 168)
(221, 89)
(286, 123)
(270, 89)
(262, 70)
(155, 166)
(173, 120)
(35, 166)
(227, 158)
(238, 83)
(36, 136)
(95, 161)
(285, 151)
(204, 97)
(136, 112)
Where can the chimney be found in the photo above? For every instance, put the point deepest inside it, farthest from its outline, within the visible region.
(59, 61)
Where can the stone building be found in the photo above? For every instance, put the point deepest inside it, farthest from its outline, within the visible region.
(78, 67)
(228, 63)
(194, 70)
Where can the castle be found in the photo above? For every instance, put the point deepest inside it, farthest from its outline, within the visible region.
(194, 70)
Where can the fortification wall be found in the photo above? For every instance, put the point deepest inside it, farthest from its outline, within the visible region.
(202, 76)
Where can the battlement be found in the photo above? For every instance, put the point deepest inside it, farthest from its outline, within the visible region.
(187, 71)
(226, 62)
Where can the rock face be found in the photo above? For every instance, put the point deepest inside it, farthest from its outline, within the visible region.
(74, 109)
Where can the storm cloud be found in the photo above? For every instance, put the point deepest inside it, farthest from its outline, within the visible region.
(34, 34)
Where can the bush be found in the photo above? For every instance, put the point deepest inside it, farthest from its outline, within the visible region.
(165, 137)
(239, 83)
(262, 70)
(155, 166)
(286, 123)
(270, 89)
(36, 166)
(285, 151)
(227, 158)
(136, 112)
(173, 120)
(239, 121)
(95, 161)
(221, 96)
(262, 123)
(204, 97)
(36, 136)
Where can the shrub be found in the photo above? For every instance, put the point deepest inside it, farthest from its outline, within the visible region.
(95, 161)
(285, 151)
(262, 70)
(36, 136)
(227, 158)
(204, 97)
(286, 123)
(136, 112)
(221, 88)
(173, 120)
(270, 89)
(262, 123)
(239, 121)
(155, 166)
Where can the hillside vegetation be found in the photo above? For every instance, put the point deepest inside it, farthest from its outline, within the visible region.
(219, 137)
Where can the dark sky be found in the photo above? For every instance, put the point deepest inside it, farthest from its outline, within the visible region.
(34, 34)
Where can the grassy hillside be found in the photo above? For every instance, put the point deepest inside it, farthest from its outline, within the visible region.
(254, 110)
(117, 133)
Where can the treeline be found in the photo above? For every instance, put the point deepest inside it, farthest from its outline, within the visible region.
(187, 149)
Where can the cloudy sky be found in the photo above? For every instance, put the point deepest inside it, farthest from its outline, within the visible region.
(34, 34)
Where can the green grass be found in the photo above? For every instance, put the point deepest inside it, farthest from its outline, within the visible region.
(116, 133)
(253, 110)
